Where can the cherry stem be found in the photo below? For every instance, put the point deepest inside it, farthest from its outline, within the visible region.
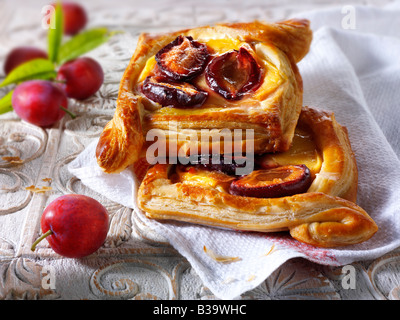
(44, 235)
(73, 115)
(59, 81)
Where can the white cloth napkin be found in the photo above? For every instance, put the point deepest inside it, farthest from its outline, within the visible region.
(356, 74)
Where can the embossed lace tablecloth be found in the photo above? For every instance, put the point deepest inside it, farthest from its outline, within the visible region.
(341, 65)
(353, 72)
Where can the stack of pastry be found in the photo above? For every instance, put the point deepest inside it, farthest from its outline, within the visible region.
(268, 163)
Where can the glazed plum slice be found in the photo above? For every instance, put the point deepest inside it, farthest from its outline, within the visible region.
(182, 59)
(233, 74)
(178, 95)
(273, 183)
(223, 163)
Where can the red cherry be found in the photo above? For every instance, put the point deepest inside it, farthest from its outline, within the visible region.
(20, 55)
(75, 17)
(80, 78)
(39, 102)
(74, 225)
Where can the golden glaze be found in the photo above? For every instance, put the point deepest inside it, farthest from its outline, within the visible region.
(272, 111)
(324, 216)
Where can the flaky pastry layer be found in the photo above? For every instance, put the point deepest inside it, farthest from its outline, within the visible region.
(271, 112)
(325, 216)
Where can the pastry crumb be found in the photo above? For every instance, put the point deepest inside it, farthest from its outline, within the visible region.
(272, 249)
(229, 280)
(218, 258)
(13, 160)
(251, 278)
(38, 189)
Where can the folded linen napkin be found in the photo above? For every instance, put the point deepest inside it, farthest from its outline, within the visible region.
(356, 74)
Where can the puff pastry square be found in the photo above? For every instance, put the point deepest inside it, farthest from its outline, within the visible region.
(325, 215)
(271, 111)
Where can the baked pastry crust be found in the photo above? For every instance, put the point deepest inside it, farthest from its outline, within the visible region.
(271, 111)
(325, 216)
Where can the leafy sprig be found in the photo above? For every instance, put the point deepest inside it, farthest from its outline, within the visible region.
(58, 51)
(55, 34)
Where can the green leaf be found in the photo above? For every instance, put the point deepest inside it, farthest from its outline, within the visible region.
(83, 42)
(33, 69)
(5, 103)
(55, 34)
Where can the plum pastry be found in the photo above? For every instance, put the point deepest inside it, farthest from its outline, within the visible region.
(296, 171)
(229, 76)
(309, 190)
